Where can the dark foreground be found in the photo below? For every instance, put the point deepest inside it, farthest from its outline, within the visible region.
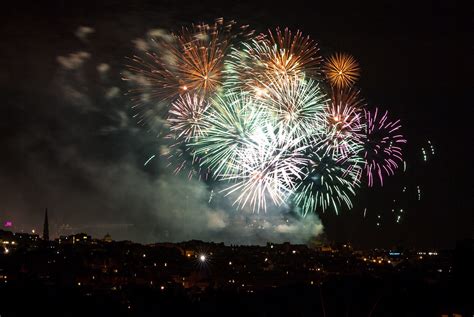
(339, 296)
(96, 278)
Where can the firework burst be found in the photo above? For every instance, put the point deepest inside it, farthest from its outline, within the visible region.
(343, 124)
(187, 117)
(270, 164)
(342, 70)
(186, 123)
(268, 56)
(329, 183)
(190, 60)
(296, 104)
(232, 120)
(288, 54)
(382, 148)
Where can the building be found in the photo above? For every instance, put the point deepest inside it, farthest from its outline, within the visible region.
(46, 226)
(79, 238)
(107, 238)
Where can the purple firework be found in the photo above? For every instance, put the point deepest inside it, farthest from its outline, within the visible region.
(382, 152)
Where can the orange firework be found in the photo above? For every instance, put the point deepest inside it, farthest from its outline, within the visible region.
(342, 70)
(276, 55)
(289, 54)
(201, 51)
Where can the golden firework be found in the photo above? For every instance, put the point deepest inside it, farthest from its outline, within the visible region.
(291, 55)
(201, 50)
(342, 70)
(272, 56)
(190, 60)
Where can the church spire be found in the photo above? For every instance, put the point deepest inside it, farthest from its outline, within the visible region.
(46, 226)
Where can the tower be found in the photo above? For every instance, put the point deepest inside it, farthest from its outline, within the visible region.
(46, 226)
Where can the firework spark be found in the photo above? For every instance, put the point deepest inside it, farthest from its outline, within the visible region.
(183, 160)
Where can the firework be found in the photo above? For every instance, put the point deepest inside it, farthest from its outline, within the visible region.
(427, 151)
(186, 123)
(270, 164)
(273, 55)
(288, 54)
(190, 60)
(344, 127)
(232, 120)
(342, 70)
(431, 147)
(382, 148)
(254, 114)
(186, 117)
(329, 183)
(296, 104)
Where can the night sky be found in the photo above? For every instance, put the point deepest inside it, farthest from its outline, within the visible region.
(69, 141)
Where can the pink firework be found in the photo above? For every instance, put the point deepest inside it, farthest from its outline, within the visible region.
(344, 126)
(382, 151)
(186, 117)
